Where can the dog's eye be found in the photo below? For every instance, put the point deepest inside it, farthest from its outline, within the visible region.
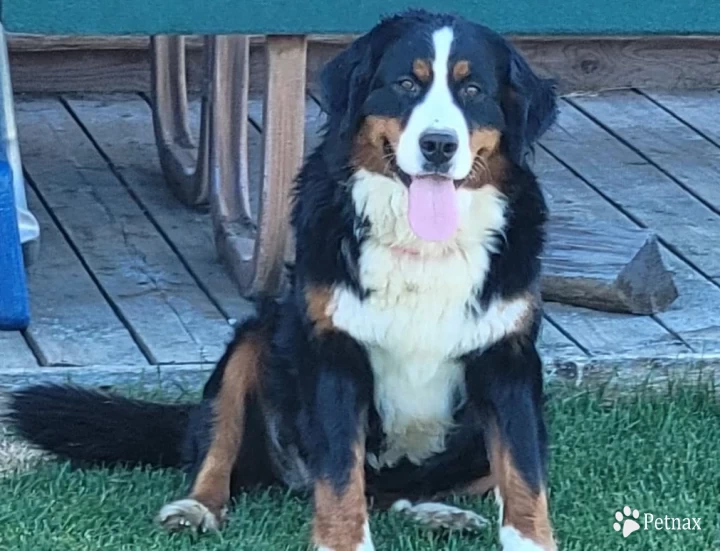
(407, 85)
(471, 91)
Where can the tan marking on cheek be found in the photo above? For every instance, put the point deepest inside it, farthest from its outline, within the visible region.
(489, 165)
(523, 509)
(422, 70)
(319, 308)
(340, 517)
(368, 149)
(484, 141)
(460, 70)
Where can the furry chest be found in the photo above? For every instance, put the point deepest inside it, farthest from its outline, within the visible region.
(413, 326)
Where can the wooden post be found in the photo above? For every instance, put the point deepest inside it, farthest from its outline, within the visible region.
(255, 252)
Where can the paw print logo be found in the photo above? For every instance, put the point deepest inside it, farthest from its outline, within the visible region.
(627, 521)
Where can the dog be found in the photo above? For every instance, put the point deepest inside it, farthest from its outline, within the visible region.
(400, 364)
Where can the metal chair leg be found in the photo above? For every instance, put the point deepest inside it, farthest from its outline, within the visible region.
(184, 163)
(255, 252)
(27, 223)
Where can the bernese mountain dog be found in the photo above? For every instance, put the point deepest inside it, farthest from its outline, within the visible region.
(400, 364)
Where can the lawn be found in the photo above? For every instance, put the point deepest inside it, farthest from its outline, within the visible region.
(659, 454)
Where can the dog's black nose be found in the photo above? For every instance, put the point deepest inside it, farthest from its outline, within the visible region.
(438, 147)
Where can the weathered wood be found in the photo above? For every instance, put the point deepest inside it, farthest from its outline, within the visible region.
(620, 176)
(682, 153)
(593, 63)
(176, 379)
(645, 193)
(14, 351)
(605, 267)
(22, 42)
(600, 333)
(119, 64)
(123, 129)
(698, 108)
(172, 318)
(71, 322)
(283, 134)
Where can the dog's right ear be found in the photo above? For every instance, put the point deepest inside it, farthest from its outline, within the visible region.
(345, 81)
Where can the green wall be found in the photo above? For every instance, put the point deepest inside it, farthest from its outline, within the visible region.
(597, 17)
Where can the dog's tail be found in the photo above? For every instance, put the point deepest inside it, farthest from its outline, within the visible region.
(94, 427)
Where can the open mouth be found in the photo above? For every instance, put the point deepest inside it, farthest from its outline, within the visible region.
(432, 200)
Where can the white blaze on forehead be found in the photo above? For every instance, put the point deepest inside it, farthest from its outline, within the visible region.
(437, 111)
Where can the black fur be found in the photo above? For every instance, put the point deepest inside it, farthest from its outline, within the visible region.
(317, 389)
(96, 427)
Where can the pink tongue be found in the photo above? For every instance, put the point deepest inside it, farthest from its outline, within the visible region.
(432, 208)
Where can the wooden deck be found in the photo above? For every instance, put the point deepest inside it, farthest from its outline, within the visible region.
(127, 283)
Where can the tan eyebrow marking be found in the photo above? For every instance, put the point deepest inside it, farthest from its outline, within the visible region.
(422, 70)
(461, 69)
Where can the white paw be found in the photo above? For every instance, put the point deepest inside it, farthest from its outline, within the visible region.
(441, 516)
(512, 540)
(188, 514)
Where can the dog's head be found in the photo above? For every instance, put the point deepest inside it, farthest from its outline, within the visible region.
(434, 96)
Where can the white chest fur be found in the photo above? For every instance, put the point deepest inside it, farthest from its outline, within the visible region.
(415, 323)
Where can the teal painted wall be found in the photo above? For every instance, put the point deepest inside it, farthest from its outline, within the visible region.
(598, 17)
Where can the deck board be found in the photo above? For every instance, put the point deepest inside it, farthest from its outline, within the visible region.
(600, 333)
(665, 207)
(660, 138)
(699, 109)
(15, 351)
(138, 260)
(123, 129)
(172, 318)
(640, 189)
(72, 324)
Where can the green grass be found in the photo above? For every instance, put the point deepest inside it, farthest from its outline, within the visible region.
(659, 454)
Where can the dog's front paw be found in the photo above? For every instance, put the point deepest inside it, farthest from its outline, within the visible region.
(189, 514)
(440, 516)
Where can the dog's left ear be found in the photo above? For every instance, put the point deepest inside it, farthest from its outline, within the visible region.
(530, 106)
(344, 81)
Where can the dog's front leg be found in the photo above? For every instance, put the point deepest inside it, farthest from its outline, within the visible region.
(506, 384)
(335, 441)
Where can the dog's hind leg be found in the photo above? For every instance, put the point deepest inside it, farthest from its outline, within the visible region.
(235, 386)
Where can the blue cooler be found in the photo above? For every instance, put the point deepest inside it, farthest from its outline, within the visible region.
(14, 309)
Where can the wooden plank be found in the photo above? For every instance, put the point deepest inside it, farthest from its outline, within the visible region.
(23, 42)
(605, 267)
(682, 153)
(601, 333)
(641, 190)
(698, 108)
(172, 318)
(15, 352)
(693, 316)
(72, 324)
(584, 63)
(122, 127)
(120, 64)
(177, 379)
(557, 350)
